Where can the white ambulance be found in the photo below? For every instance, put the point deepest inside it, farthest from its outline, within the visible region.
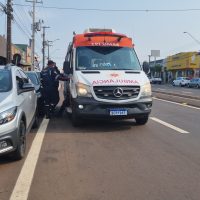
(107, 80)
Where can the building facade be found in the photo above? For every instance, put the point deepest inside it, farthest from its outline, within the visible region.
(27, 50)
(186, 64)
(22, 49)
(2, 49)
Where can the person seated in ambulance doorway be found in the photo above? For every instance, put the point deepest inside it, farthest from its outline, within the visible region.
(50, 77)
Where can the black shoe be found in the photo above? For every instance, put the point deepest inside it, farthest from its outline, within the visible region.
(58, 114)
(48, 116)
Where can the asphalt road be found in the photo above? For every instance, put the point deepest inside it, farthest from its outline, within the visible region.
(115, 160)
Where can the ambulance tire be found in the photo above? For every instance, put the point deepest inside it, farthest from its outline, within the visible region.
(74, 118)
(75, 121)
(141, 120)
(69, 115)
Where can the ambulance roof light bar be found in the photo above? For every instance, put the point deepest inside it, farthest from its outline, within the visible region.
(104, 34)
(93, 30)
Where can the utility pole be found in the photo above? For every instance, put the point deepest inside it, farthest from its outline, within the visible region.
(43, 46)
(33, 38)
(48, 46)
(33, 33)
(9, 11)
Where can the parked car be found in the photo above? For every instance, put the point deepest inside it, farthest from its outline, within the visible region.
(155, 80)
(181, 81)
(18, 110)
(195, 82)
(33, 76)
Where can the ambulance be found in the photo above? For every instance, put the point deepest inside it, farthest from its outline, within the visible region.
(106, 78)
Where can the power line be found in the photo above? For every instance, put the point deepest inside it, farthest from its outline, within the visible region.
(2, 12)
(22, 23)
(27, 16)
(23, 15)
(2, 7)
(20, 28)
(24, 29)
(113, 10)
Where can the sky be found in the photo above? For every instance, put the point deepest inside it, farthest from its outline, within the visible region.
(151, 30)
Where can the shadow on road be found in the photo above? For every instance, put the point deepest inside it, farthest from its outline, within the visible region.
(64, 125)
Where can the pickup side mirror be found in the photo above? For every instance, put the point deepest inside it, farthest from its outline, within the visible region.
(66, 67)
(20, 83)
(26, 87)
(146, 69)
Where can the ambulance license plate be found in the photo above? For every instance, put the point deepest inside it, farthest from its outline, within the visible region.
(118, 112)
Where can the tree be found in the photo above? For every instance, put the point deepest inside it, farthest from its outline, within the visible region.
(158, 68)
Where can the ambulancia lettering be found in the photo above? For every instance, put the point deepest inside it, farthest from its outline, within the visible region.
(109, 81)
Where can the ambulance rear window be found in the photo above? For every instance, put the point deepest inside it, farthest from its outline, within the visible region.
(106, 58)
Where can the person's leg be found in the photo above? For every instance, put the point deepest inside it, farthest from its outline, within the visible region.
(47, 103)
(57, 97)
(54, 99)
(63, 106)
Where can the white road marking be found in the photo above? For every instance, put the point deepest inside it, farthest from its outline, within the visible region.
(169, 125)
(181, 104)
(23, 184)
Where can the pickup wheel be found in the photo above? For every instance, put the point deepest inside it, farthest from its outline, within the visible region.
(141, 120)
(19, 153)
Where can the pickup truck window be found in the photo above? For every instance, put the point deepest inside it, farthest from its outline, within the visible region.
(5, 81)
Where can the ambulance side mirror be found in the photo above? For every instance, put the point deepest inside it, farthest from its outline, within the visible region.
(146, 69)
(66, 67)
